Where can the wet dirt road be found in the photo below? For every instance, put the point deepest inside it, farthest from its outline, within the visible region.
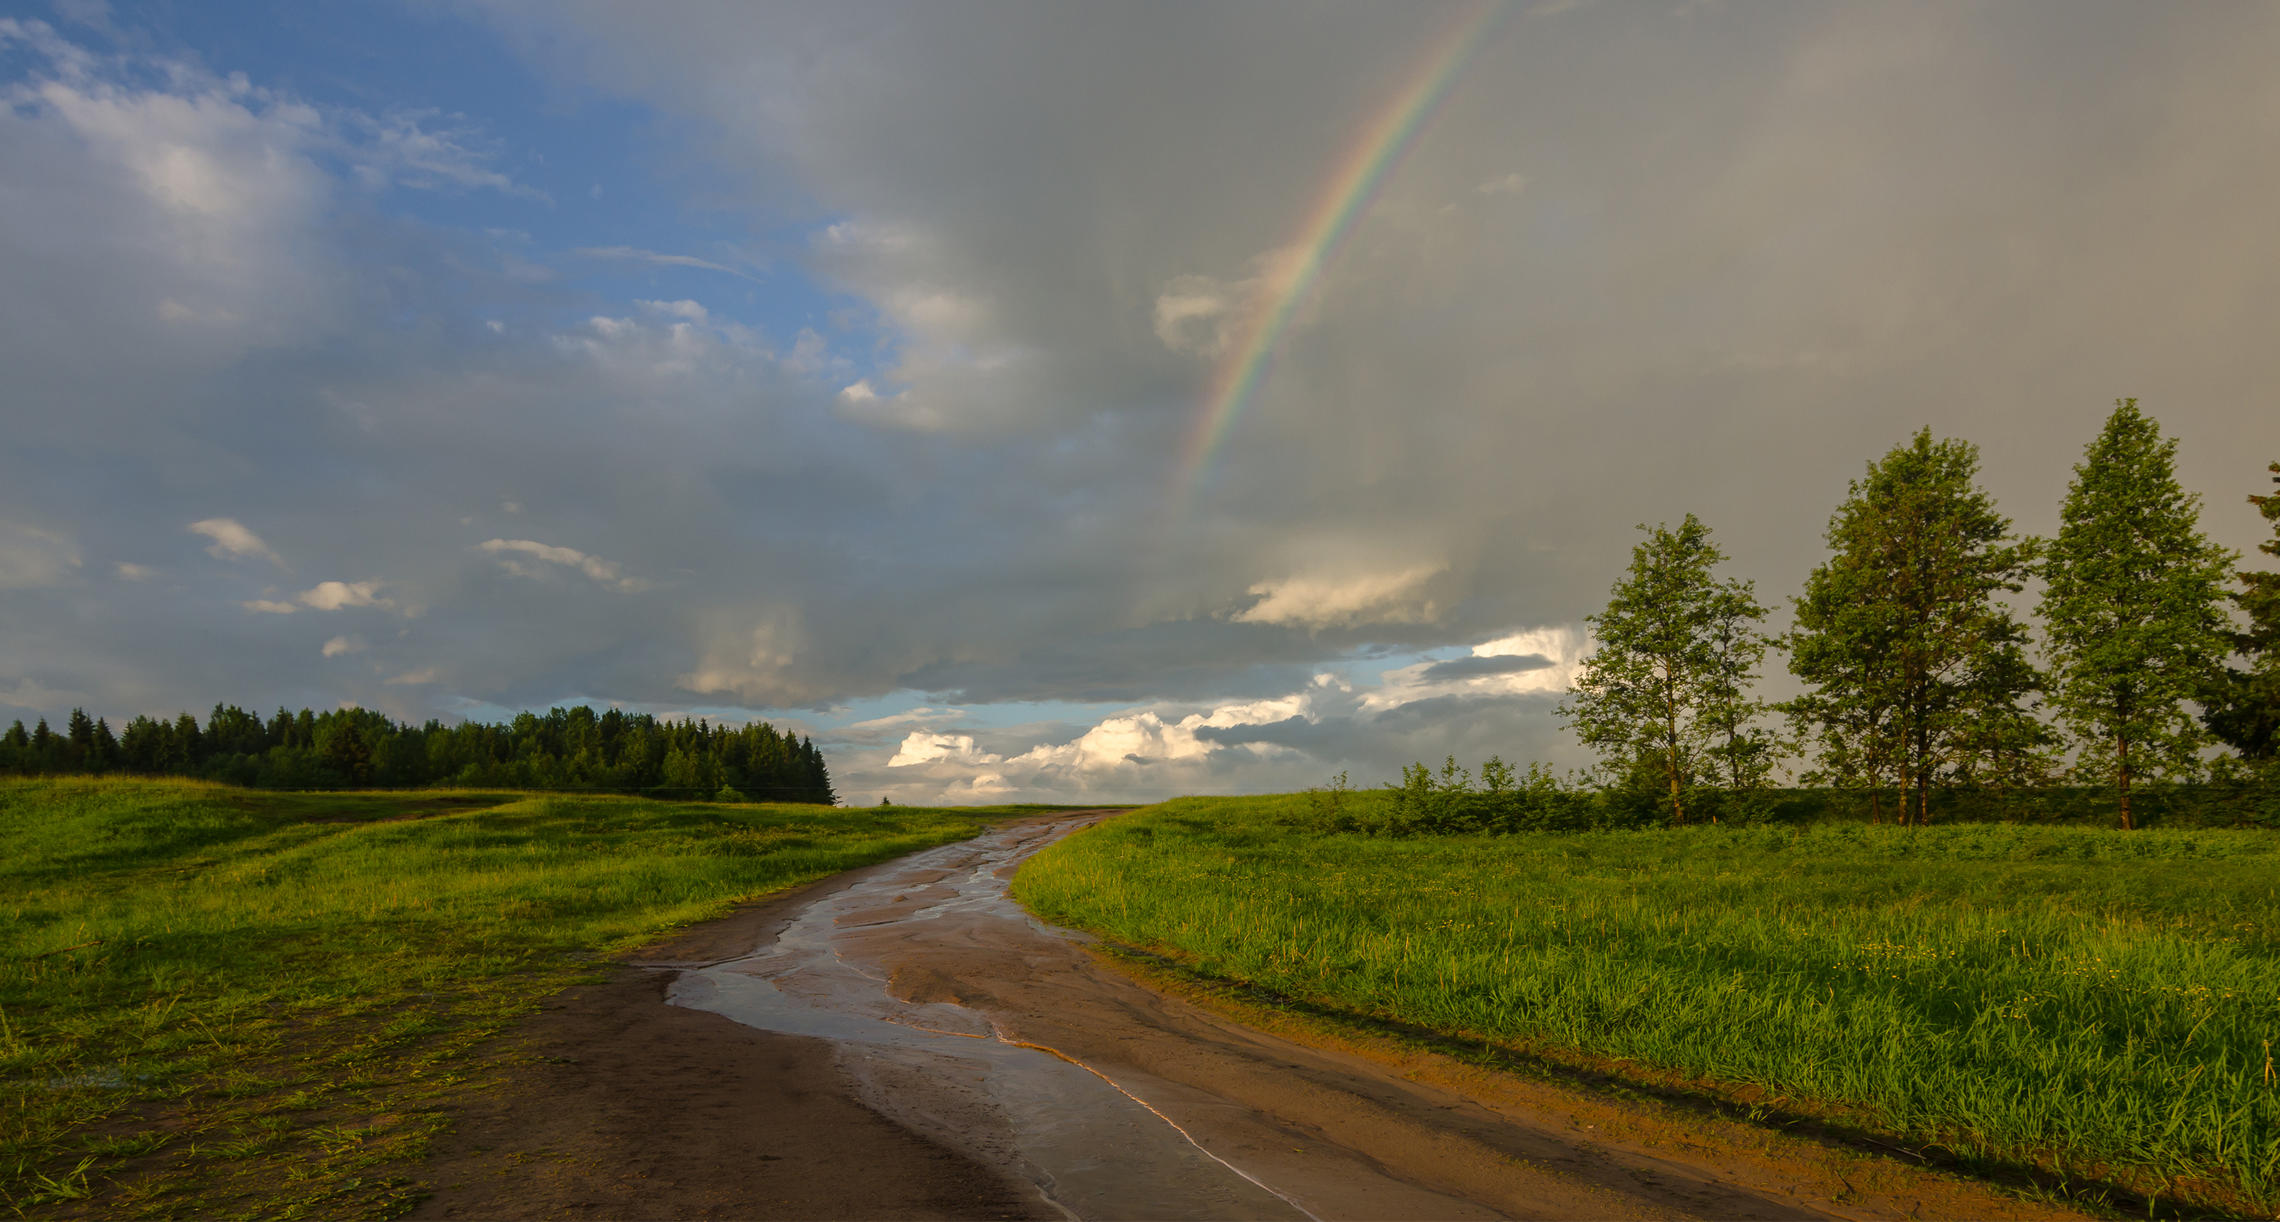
(979, 1029)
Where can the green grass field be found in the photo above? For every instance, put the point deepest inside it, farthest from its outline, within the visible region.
(2097, 1003)
(224, 1001)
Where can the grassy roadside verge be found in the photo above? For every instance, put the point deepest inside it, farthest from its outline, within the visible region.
(225, 1001)
(2093, 1004)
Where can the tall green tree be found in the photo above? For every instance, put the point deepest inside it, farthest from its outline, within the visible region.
(1902, 635)
(1743, 751)
(1668, 684)
(2245, 712)
(2134, 607)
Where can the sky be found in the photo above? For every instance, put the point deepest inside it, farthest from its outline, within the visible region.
(1035, 401)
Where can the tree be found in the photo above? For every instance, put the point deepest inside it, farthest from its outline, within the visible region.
(2245, 711)
(1668, 681)
(1901, 634)
(2133, 607)
(1741, 752)
(79, 737)
(349, 753)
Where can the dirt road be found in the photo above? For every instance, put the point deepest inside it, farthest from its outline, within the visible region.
(906, 1042)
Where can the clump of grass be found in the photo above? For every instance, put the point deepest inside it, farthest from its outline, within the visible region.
(2094, 1003)
(225, 1000)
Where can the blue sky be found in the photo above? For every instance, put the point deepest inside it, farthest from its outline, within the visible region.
(832, 364)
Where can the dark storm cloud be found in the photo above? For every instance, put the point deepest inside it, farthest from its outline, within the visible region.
(1642, 263)
(1475, 667)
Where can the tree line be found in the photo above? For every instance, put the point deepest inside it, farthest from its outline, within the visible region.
(1921, 677)
(562, 749)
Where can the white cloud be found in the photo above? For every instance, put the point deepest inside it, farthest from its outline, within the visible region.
(1146, 737)
(128, 571)
(1188, 313)
(920, 747)
(414, 678)
(511, 553)
(1396, 597)
(1510, 184)
(341, 595)
(859, 392)
(232, 541)
(1543, 661)
(343, 645)
(31, 557)
(271, 606)
(1200, 315)
(1136, 752)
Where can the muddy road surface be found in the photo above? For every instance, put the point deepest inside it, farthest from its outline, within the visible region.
(905, 1041)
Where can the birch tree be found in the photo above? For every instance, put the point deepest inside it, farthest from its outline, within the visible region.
(1668, 682)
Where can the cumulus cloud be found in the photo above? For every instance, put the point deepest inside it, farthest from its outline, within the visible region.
(920, 747)
(232, 541)
(340, 645)
(1494, 700)
(342, 595)
(130, 571)
(415, 678)
(1323, 602)
(271, 606)
(1539, 661)
(517, 556)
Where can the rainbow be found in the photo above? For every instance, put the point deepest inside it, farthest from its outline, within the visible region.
(1377, 147)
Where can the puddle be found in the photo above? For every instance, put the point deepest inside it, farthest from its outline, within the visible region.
(944, 1069)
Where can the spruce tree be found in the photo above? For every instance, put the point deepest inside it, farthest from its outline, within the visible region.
(15, 749)
(2245, 713)
(1667, 685)
(2133, 608)
(1902, 635)
(79, 739)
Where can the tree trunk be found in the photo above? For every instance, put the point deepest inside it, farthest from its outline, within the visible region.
(1670, 750)
(2122, 774)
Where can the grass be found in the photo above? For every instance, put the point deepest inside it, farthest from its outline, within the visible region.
(2102, 1006)
(226, 1001)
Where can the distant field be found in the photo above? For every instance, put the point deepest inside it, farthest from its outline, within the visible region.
(2101, 1003)
(218, 1000)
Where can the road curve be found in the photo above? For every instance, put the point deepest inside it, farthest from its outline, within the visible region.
(976, 1027)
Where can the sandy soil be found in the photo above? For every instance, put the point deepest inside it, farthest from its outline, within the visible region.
(981, 1065)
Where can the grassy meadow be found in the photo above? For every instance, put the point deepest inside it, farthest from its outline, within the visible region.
(224, 1001)
(2100, 1004)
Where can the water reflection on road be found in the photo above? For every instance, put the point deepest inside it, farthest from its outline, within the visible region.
(946, 1069)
